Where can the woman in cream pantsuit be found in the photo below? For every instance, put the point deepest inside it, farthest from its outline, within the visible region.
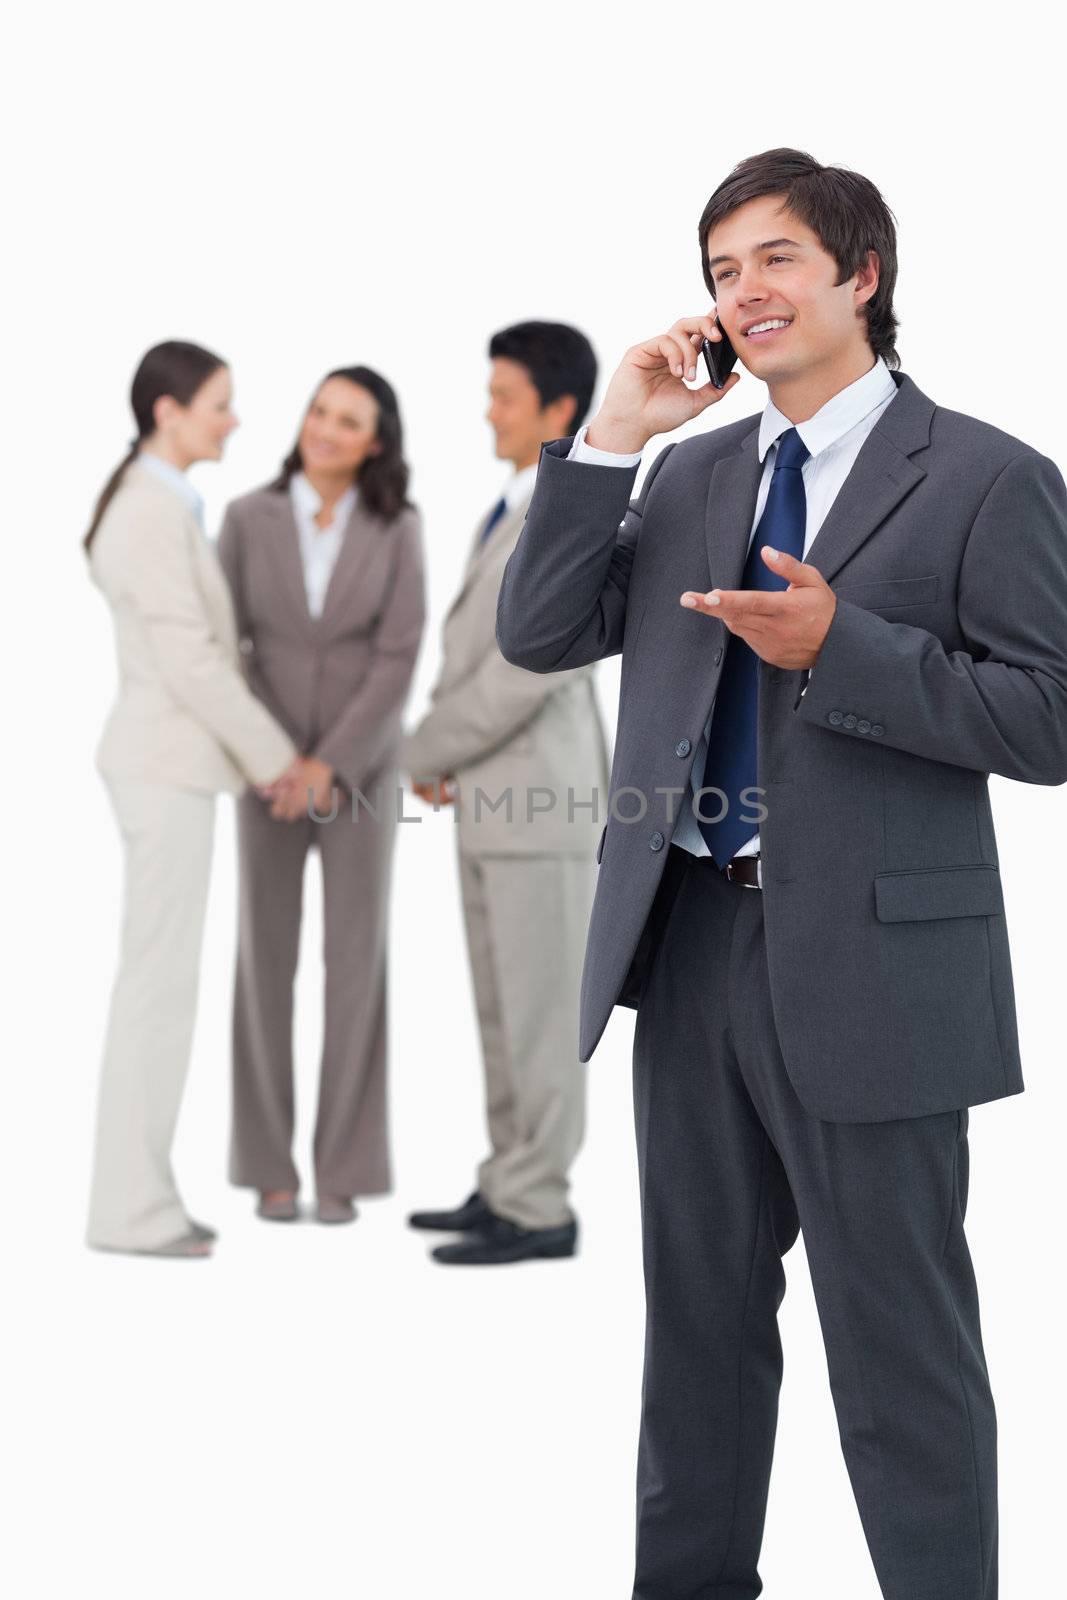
(184, 726)
(325, 566)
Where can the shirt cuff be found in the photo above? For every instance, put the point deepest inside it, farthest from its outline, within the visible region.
(580, 451)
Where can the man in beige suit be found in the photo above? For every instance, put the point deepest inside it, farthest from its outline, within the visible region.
(523, 759)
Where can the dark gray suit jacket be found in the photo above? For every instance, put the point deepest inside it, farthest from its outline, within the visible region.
(946, 660)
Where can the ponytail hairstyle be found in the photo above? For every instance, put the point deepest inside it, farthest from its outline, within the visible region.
(382, 478)
(175, 368)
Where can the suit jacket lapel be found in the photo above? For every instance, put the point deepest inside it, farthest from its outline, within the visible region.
(502, 538)
(350, 567)
(731, 503)
(881, 476)
(284, 543)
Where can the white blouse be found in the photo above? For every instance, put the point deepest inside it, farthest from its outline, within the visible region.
(319, 547)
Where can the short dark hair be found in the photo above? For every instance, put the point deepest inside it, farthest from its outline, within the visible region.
(844, 209)
(559, 359)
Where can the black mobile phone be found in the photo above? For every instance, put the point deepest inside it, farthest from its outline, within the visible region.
(721, 358)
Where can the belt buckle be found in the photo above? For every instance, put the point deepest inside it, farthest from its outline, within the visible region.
(759, 874)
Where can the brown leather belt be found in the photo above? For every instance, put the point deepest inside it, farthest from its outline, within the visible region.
(745, 870)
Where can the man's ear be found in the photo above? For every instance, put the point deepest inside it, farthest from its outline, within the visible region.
(561, 414)
(867, 279)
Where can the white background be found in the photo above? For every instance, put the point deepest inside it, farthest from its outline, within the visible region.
(324, 1412)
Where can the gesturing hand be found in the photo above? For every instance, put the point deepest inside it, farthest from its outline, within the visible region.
(786, 627)
(647, 394)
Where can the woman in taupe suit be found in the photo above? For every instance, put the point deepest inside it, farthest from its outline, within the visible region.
(325, 567)
(183, 727)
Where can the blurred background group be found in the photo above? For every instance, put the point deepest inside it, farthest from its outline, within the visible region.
(275, 664)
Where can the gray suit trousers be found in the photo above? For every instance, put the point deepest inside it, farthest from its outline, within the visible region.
(731, 1167)
(351, 1151)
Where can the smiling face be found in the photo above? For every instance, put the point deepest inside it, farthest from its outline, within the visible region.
(340, 430)
(197, 431)
(517, 417)
(777, 296)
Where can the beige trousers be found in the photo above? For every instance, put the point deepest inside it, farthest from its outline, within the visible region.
(526, 920)
(167, 834)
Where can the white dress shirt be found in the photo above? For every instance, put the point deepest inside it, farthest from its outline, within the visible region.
(174, 478)
(834, 436)
(519, 487)
(319, 547)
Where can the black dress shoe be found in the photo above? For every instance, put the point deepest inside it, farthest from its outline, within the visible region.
(499, 1240)
(471, 1214)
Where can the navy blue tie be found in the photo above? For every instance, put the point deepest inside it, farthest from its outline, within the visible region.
(494, 517)
(731, 763)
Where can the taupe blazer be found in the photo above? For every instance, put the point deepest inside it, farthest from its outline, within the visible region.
(337, 683)
(183, 714)
(502, 731)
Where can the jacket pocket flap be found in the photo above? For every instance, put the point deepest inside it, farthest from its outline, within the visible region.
(891, 592)
(938, 892)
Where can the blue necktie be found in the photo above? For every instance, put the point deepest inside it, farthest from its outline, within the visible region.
(731, 763)
(494, 517)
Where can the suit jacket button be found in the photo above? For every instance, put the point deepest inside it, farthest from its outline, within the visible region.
(836, 718)
(718, 655)
(683, 747)
(656, 842)
(863, 726)
(849, 721)
(877, 729)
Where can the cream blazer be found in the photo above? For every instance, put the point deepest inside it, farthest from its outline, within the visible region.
(184, 714)
(527, 749)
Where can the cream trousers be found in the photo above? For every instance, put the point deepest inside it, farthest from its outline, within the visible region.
(167, 834)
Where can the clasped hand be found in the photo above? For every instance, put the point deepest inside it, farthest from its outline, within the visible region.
(436, 792)
(305, 787)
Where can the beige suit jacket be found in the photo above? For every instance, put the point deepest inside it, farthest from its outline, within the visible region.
(336, 682)
(184, 714)
(502, 731)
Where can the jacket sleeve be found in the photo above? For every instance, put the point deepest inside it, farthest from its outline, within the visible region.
(364, 732)
(476, 716)
(563, 599)
(157, 579)
(998, 706)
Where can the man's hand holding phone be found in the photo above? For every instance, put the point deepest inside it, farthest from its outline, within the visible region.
(648, 394)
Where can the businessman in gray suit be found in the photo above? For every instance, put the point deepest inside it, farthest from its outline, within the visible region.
(836, 619)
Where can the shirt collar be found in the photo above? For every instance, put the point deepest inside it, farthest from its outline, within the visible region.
(174, 478)
(520, 487)
(308, 502)
(838, 416)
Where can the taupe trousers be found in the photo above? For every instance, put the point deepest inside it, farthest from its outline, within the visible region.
(351, 1142)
